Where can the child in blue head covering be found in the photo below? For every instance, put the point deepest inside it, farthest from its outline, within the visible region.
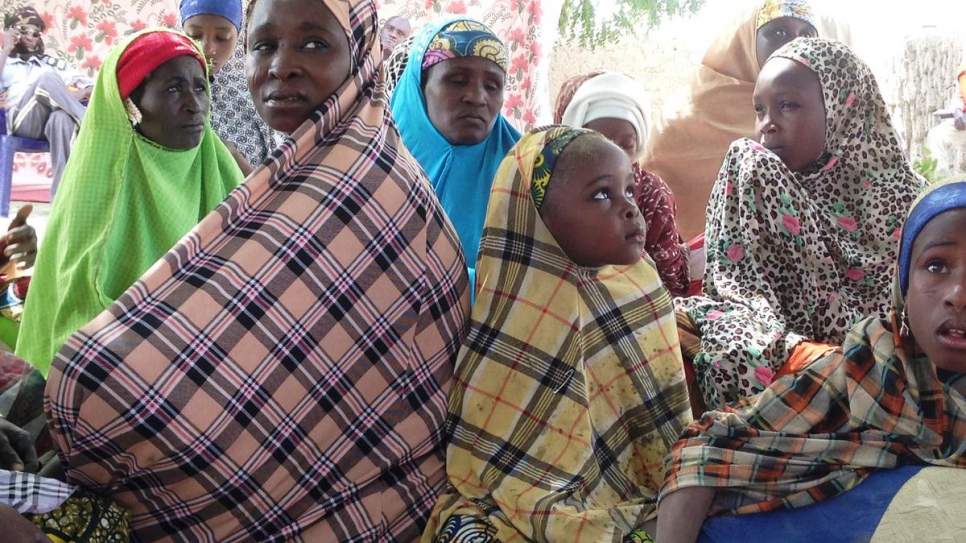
(216, 24)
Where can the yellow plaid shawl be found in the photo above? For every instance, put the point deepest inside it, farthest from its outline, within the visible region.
(569, 388)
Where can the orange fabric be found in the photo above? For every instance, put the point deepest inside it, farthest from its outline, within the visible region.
(803, 355)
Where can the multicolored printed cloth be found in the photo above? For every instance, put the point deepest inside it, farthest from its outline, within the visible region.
(282, 374)
(875, 403)
(776, 9)
(465, 38)
(657, 203)
(796, 256)
(569, 388)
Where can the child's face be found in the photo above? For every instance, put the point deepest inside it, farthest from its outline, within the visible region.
(936, 296)
(619, 131)
(790, 112)
(298, 56)
(217, 36)
(590, 208)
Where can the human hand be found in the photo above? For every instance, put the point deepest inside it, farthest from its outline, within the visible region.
(17, 528)
(10, 38)
(20, 244)
(17, 451)
(81, 93)
(959, 119)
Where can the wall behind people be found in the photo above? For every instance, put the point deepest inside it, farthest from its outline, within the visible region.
(81, 32)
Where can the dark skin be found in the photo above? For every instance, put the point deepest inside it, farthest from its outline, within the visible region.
(17, 528)
(777, 33)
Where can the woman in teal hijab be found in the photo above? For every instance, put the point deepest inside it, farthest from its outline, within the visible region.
(447, 107)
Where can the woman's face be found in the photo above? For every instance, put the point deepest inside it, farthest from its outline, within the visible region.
(463, 98)
(298, 56)
(217, 36)
(173, 100)
(774, 34)
(936, 295)
(790, 112)
(619, 131)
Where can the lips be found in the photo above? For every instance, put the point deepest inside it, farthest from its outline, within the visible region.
(639, 235)
(284, 98)
(473, 118)
(952, 334)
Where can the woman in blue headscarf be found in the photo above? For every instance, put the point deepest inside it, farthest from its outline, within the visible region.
(447, 108)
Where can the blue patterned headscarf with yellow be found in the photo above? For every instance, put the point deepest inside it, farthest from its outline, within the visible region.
(465, 38)
(776, 9)
(461, 174)
(557, 139)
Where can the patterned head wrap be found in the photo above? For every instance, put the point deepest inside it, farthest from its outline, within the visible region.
(555, 355)
(776, 9)
(228, 9)
(935, 201)
(465, 38)
(25, 15)
(557, 139)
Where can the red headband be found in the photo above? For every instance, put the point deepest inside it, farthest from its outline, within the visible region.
(149, 51)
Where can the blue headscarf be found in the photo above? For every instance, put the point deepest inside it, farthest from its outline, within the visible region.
(938, 200)
(461, 174)
(229, 9)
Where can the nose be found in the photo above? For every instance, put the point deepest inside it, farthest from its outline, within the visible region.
(194, 103)
(765, 125)
(209, 48)
(475, 94)
(284, 65)
(630, 208)
(956, 293)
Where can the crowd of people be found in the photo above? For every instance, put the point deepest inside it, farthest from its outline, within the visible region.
(303, 281)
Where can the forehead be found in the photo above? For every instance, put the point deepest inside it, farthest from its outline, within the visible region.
(281, 15)
(180, 66)
(948, 226)
(599, 153)
(781, 73)
(398, 23)
(469, 64)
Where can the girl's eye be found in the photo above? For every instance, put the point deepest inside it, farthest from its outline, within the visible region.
(629, 192)
(602, 194)
(789, 105)
(261, 46)
(935, 266)
(759, 109)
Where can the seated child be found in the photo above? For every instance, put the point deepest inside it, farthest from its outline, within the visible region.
(617, 106)
(801, 225)
(894, 394)
(569, 387)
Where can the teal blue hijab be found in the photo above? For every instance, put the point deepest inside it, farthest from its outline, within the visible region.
(461, 174)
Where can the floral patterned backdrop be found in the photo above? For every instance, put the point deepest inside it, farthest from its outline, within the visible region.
(83, 31)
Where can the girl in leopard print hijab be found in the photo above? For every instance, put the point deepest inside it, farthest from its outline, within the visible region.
(802, 225)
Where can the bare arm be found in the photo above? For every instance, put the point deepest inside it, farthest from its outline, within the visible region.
(681, 514)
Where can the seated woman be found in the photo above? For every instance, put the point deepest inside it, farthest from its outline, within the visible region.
(282, 373)
(892, 395)
(146, 168)
(801, 226)
(569, 387)
(616, 106)
(447, 107)
(215, 24)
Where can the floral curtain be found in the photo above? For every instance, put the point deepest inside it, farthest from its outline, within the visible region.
(83, 31)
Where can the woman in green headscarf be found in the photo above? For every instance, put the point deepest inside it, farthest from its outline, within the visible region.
(146, 168)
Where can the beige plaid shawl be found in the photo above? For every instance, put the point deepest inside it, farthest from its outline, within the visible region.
(281, 375)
